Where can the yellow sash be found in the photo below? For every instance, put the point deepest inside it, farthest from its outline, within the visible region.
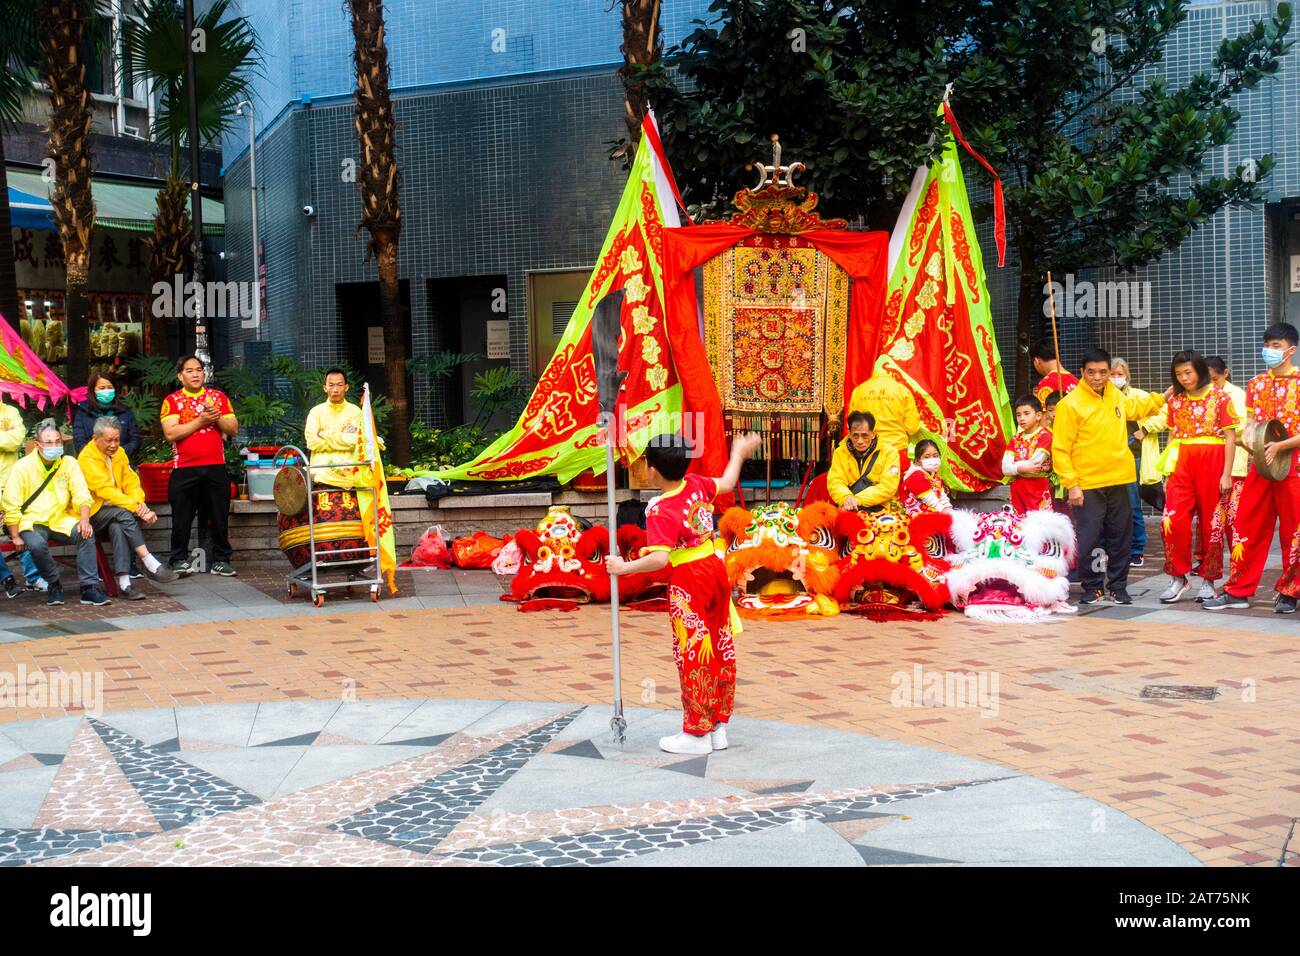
(1168, 459)
(680, 556)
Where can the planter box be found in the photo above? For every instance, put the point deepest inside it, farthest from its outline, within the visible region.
(154, 476)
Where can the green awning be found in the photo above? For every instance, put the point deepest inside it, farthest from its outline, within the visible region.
(120, 205)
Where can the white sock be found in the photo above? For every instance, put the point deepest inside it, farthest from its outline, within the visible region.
(124, 581)
(151, 563)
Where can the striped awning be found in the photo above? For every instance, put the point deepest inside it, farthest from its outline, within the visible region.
(118, 205)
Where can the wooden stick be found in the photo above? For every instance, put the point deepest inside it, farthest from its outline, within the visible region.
(1056, 345)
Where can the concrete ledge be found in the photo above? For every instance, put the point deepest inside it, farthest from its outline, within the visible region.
(457, 502)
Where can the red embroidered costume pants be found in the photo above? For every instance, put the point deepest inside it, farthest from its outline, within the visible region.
(1263, 502)
(699, 608)
(1193, 489)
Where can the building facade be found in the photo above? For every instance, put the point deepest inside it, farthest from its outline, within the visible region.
(506, 110)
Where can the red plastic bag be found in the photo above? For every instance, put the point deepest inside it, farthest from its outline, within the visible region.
(475, 551)
(431, 550)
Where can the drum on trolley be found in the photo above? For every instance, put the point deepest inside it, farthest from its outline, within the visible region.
(321, 529)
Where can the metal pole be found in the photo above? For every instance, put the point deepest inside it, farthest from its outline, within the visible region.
(252, 190)
(196, 199)
(617, 723)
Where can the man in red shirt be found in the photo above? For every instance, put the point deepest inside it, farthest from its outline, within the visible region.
(1054, 378)
(197, 420)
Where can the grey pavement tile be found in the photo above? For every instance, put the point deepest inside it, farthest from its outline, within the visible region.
(323, 764)
(514, 712)
(21, 794)
(49, 736)
(368, 722)
(216, 723)
(148, 726)
(793, 844)
(439, 717)
(259, 771)
(88, 627)
(875, 856)
(282, 719)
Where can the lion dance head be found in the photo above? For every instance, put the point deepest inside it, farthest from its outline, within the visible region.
(1011, 568)
(890, 570)
(782, 560)
(563, 566)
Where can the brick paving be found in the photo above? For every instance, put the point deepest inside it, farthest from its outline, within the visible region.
(1220, 777)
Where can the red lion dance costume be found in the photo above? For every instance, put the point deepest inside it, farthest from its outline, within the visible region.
(562, 566)
(889, 571)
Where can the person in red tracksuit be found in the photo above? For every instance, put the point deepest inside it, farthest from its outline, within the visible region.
(1274, 394)
(1198, 463)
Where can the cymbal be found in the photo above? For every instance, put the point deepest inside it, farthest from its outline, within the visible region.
(1270, 432)
(290, 491)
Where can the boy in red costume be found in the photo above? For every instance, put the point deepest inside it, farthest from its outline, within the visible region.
(1198, 463)
(1274, 394)
(1028, 459)
(679, 531)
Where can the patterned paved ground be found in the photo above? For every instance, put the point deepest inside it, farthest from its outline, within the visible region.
(1220, 778)
(462, 783)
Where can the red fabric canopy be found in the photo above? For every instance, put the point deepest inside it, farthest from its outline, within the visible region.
(863, 255)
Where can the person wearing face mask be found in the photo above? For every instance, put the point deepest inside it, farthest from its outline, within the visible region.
(1265, 503)
(102, 399)
(922, 489)
(46, 499)
(1091, 457)
(1144, 443)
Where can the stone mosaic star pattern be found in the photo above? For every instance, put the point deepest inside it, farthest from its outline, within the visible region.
(483, 783)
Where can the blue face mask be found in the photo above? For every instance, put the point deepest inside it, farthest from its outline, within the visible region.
(1272, 357)
(52, 454)
(106, 396)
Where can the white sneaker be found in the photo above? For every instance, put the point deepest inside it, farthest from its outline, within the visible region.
(1177, 588)
(718, 736)
(685, 743)
(1206, 592)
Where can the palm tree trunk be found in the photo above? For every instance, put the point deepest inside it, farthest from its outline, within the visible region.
(390, 307)
(10, 307)
(63, 37)
(381, 213)
(641, 46)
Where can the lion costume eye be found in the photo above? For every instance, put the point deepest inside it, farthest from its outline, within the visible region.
(822, 538)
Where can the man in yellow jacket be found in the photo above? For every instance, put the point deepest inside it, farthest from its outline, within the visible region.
(864, 470)
(1091, 458)
(119, 509)
(892, 406)
(46, 498)
(13, 434)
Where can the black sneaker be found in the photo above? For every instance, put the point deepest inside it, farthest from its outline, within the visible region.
(12, 590)
(1137, 561)
(1284, 605)
(54, 595)
(93, 596)
(1225, 600)
(1121, 597)
(1092, 596)
(222, 568)
(182, 568)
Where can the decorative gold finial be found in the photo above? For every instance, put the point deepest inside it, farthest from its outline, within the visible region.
(784, 175)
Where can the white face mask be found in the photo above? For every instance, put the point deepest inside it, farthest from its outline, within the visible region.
(930, 464)
(1119, 382)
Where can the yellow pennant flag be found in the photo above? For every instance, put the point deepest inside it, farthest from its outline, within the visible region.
(368, 450)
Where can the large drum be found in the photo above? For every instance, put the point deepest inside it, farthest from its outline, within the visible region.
(337, 517)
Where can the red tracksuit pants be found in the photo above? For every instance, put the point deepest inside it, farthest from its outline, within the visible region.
(699, 608)
(1031, 494)
(1263, 503)
(1193, 490)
